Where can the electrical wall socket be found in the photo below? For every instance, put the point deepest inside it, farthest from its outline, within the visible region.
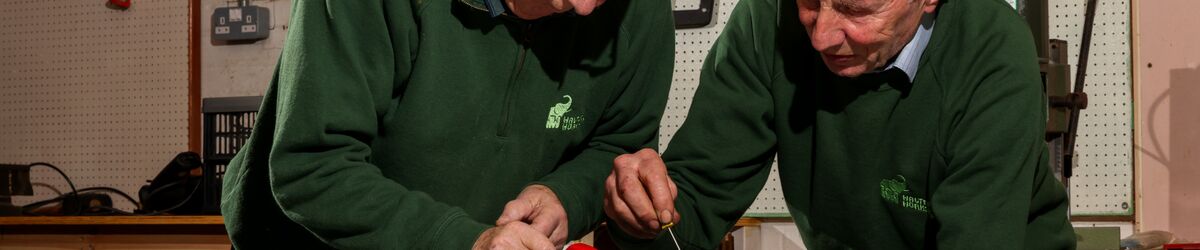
(14, 180)
(241, 23)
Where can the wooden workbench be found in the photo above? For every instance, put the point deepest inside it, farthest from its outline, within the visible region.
(127, 232)
(143, 232)
(110, 220)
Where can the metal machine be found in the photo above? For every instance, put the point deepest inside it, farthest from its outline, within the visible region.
(1064, 101)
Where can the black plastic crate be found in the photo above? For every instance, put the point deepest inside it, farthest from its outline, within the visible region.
(227, 125)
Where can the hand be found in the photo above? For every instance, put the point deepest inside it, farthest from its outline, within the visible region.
(638, 194)
(538, 206)
(534, 9)
(515, 235)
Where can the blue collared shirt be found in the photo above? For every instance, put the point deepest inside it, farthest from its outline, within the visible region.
(495, 7)
(910, 56)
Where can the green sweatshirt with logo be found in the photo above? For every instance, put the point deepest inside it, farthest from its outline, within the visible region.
(954, 159)
(409, 124)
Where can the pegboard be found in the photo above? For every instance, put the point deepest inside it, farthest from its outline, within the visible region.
(685, 5)
(101, 93)
(1103, 179)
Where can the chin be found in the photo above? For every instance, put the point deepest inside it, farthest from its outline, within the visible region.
(848, 72)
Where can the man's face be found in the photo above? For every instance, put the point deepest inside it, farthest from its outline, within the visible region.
(857, 36)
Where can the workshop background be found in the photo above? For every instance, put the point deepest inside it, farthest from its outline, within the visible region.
(111, 91)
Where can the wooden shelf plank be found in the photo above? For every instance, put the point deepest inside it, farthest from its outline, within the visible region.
(113, 220)
(755, 221)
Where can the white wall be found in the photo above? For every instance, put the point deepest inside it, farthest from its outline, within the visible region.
(240, 69)
(768, 235)
(1168, 92)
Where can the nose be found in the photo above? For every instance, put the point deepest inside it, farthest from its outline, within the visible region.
(828, 33)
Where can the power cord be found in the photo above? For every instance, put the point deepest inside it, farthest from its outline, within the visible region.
(115, 191)
(74, 192)
(138, 206)
(26, 209)
(180, 204)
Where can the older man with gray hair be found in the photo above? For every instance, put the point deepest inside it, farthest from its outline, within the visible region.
(898, 124)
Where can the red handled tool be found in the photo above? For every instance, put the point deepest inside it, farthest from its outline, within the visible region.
(578, 246)
(123, 4)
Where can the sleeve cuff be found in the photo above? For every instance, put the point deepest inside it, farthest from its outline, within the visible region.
(457, 231)
(581, 215)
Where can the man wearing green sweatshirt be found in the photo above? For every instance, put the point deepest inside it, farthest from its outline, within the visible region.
(898, 124)
(410, 124)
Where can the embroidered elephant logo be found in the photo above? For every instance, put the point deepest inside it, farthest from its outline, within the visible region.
(554, 119)
(891, 189)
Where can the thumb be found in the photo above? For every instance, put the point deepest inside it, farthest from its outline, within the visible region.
(516, 210)
(544, 224)
(664, 201)
(536, 241)
(674, 195)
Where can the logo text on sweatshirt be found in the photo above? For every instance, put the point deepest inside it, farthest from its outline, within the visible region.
(559, 119)
(895, 191)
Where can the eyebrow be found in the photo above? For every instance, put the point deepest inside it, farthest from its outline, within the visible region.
(857, 5)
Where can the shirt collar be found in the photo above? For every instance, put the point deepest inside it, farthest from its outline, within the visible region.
(910, 56)
(493, 7)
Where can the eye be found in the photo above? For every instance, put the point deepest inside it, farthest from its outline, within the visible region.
(853, 11)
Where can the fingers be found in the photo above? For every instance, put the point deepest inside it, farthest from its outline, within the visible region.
(552, 223)
(639, 195)
(544, 225)
(674, 191)
(538, 207)
(530, 239)
(619, 212)
(516, 235)
(515, 210)
(674, 195)
(654, 178)
(634, 196)
(631, 191)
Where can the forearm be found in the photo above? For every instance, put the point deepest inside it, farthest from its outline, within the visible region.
(349, 204)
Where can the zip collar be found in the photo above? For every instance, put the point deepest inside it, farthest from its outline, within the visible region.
(494, 8)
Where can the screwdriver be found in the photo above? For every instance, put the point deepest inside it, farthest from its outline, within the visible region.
(668, 227)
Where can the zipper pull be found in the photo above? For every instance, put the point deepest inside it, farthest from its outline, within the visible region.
(527, 34)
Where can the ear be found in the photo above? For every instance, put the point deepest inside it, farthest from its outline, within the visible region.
(929, 6)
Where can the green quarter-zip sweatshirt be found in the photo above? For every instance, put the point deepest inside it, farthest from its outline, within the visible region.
(409, 124)
(953, 159)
